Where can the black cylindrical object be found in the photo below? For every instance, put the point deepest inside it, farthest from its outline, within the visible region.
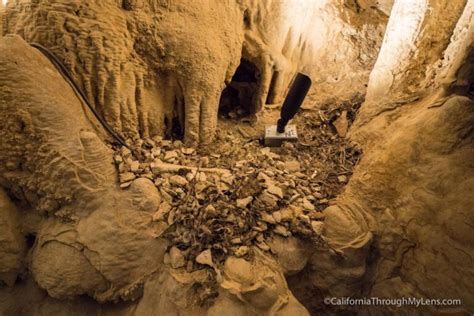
(298, 91)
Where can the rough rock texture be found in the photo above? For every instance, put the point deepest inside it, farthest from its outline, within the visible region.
(336, 44)
(26, 298)
(455, 68)
(255, 288)
(247, 288)
(397, 80)
(424, 220)
(12, 242)
(1, 17)
(100, 241)
(154, 68)
(143, 64)
(402, 227)
(52, 159)
(417, 36)
(50, 154)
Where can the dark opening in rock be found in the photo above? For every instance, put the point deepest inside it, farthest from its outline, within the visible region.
(174, 123)
(30, 240)
(239, 98)
(247, 19)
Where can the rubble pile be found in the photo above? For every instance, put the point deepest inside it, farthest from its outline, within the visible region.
(236, 195)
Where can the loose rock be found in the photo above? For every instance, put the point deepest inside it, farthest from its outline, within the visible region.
(126, 177)
(286, 214)
(242, 251)
(267, 218)
(342, 124)
(277, 216)
(163, 209)
(273, 189)
(169, 155)
(342, 179)
(178, 180)
(307, 205)
(243, 203)
(205, 258)
(317, 227)
(281, 230)
(134, 166)
(292, 166)
(176, 258)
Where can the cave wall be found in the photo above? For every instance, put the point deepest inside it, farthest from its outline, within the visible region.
(424, 222)
(455, 68)
(145, 64)
(418, 33)
(408, 202)
(12, 243)
(92, 238)
(405, 72)
(424, 216)
(54, 165)
(403, 226)
(140, 62)
(335, 43)
(2, 20)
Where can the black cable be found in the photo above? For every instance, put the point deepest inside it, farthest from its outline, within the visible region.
(80, 94)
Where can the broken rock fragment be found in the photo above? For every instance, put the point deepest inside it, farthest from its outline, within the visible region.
(317, 227)
(163, 209)
(281, 230)
(342, 124)
(292, 166)
(307, 205)
(243, 203)
(126, 177)
(268, 199)
(241, 251)
(176, 258)
(273, 189)
(277, 216)
(187, 151)
(286, 214)
(267, 218)
(263, 246)
(170, 155)
(205, 258)
(342, 179)
(134, 166)
(178, 180)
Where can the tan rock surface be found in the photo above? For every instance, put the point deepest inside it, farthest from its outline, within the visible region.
(234, 228)
(12, 242)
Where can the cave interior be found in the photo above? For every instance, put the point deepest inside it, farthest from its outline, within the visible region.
(134, 179)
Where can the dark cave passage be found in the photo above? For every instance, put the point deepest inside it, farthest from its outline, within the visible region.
(238, 99)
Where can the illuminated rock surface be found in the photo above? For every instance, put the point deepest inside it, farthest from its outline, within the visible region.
(196, 217)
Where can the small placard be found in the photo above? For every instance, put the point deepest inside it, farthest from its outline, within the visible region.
(273, 138)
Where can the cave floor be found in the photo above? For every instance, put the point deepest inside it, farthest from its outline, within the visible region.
(234, 194)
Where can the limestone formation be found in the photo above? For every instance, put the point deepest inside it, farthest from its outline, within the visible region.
(12, 243)
(159, 67)
(174, 207)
